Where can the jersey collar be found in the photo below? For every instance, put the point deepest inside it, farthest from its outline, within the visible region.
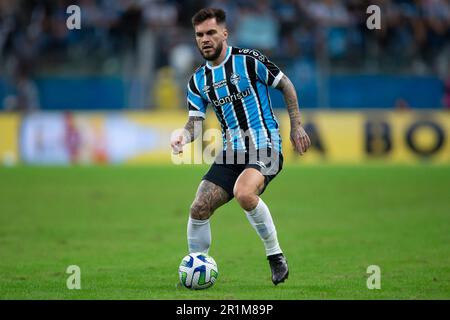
(223, 62)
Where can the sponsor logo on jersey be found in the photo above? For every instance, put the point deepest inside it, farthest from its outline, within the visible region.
(232, 97)
(220, 84)
(206, 89)
(254, 53)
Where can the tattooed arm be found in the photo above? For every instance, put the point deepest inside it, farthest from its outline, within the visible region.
(193, 128)
(299, 137)
(181, 137)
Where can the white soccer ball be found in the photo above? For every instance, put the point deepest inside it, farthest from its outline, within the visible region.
(198, 271)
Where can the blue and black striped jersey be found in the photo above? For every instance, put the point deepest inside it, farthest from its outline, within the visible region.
(238, 91)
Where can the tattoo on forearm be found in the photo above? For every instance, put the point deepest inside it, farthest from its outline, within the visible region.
(290, 97)
(193, 127)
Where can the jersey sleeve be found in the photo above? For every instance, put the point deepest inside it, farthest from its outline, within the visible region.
(267, 71)
(195, 102)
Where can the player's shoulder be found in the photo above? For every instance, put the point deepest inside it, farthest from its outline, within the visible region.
(197, 74)
(253, 53)
(199, 69)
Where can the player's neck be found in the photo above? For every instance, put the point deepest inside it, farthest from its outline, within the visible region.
(222, 56)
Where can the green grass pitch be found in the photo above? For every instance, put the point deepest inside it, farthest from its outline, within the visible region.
(125, 227)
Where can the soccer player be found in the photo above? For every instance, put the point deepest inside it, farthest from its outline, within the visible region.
(235, 83)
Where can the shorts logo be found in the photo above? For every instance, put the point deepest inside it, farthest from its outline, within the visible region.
(235, 78)
(261, 164)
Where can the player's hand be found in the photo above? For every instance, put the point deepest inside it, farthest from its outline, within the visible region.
(300, 139)
(177, 141)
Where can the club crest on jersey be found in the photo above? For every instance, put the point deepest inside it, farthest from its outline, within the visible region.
(235, 78)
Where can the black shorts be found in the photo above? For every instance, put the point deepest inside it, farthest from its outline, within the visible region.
(227, 167)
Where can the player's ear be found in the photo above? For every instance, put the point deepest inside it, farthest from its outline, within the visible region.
(225, 33)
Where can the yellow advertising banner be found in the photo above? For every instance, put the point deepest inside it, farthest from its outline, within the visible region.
(377, 136)
(352, 137)
(337, 137)
(9, 132)
(161, 126)
(347, 137)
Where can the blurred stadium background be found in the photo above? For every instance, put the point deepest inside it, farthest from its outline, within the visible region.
(375, 103)
(131, 59)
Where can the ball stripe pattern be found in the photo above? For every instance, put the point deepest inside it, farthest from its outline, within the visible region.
(198, 271)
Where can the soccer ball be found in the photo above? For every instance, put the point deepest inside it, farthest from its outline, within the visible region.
(198, 271)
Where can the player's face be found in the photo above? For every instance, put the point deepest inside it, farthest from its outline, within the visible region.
(210, 38)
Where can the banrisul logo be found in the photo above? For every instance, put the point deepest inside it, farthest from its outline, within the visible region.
(235, 78)
(231, 98)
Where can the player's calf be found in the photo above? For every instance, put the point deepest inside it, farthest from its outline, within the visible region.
(208, 198)
(200, 210)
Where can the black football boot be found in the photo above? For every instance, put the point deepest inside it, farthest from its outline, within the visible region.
(279, 268)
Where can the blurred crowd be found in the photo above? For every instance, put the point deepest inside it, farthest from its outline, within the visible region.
(118, 34)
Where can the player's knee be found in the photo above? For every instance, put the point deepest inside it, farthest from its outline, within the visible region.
(200, 210)
(245, 197)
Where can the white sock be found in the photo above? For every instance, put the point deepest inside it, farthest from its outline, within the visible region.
(199, 235)
(261, 220)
